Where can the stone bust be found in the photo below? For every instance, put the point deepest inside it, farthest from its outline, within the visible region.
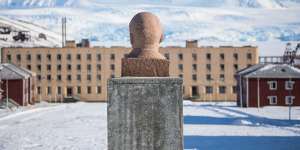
(145, 36)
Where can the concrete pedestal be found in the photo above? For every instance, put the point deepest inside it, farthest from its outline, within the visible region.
(145, 113)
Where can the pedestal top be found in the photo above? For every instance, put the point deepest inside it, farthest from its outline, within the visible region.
(146, 80)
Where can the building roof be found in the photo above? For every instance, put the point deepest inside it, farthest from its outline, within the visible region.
(250, 69)
(272, 71)
(12, 72)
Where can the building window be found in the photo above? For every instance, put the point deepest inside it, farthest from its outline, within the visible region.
(19, 57)
(112, 67)
(222, 89)
(89, 57)
(78, 90)
(78, 67)
(235, 56)
(272, 100)
(69, 57)
(39, 67)
(289, 85)
(58, 67)
(8, 58)
(222, 77)
(78, 57)
(39, 90)
(89, 67)
(29, 67)
(89, 90)
(208, 56)
(98, 89)
(208, 77)
(69, 66)
(167, 55)
(272, 85)
(99, 57)
(58, 77)
(209, 89)
(249, 56)
(39, 77)
(49, 67)
(208, 67)
(194, 67)
(39, 57)
(98, 67)
(49, 77)
(222, 67)
(28, 57)
(69, 78)
(89, 77)
(236, 67)
(49, 91)
(78, 77)
(222, 56)
(180, 67)
(195, 91)
(49, 57)
(99, 77)
(289, 100)
(194, 55)
(180, 56)
(180, 75)
(58, 57)
(194, 76)
(112, 56)
(234, 89)
(59, 90)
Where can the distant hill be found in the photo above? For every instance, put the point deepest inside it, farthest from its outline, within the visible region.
(202, 3)
(19, 33)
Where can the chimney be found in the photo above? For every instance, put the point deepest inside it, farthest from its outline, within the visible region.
(191, 44)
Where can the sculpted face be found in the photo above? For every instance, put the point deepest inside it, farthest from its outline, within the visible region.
(145, 36)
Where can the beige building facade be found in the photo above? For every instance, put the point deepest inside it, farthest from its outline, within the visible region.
(82, 72)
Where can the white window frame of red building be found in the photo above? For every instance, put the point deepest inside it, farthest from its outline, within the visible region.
(271, 85)
(289, 98)
(271, 100)
(289, 85)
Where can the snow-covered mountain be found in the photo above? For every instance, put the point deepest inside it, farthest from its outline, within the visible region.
(201, 3)
(33, 35)
(105, 22)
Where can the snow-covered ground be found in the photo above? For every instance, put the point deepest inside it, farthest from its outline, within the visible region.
(207, 126)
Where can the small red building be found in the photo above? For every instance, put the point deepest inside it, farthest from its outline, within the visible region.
(268, 84)
(18, 84)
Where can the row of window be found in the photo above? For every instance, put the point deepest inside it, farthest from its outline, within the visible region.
(112, 56)
(289, 100)
(180, 56)
(69, 77)
(70, 91)
(289, 85)
(58, 57)
(210, 90)
(209, 67)
(208, 77)
(69, 67)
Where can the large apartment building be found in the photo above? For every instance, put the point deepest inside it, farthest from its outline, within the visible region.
(82, 72)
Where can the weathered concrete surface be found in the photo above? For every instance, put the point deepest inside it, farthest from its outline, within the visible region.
(145, 113)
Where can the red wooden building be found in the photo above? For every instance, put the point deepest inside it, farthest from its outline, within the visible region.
(18, 83)
(268, 84)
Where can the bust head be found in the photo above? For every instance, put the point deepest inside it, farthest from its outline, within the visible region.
(145, 36)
